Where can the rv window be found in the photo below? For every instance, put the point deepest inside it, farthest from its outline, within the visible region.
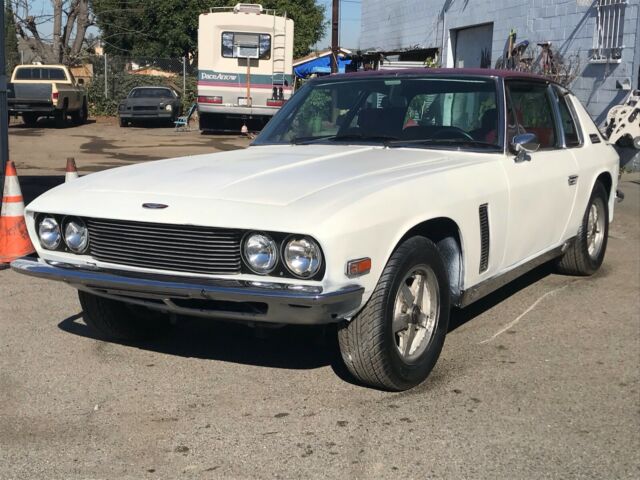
(247, 40)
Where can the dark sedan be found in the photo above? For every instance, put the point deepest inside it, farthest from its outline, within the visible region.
(149, 103)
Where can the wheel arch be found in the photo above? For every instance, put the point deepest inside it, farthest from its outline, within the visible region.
(446, 234)
(606, 180)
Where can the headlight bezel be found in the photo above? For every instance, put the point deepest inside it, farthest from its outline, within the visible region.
(65, 224)
(320, 257)
(59, 241)
(62, 221)
(281, 270)
(276, 250)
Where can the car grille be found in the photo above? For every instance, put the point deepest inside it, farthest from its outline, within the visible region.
(147, 108)
(181, 248)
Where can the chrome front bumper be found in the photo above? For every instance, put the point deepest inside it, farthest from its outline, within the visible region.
(224, 299)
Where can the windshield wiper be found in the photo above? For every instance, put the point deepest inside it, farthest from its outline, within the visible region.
(361, 137)
(445, 141)
(308, 140)
(386, 139)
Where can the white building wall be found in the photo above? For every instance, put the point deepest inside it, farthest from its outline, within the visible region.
(569, 24)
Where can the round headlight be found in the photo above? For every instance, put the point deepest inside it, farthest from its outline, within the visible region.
(260, 253)
(49, 233)
(76, 235)
(302, 257)
(168, 108)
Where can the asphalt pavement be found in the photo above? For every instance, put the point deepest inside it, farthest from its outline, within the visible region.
(538, 380)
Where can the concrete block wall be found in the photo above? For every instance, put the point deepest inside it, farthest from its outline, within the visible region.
(569, 24)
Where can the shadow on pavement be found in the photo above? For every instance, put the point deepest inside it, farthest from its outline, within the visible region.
(287, 347)
(290, 347)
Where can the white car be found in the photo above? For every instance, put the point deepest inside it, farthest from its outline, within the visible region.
(376, 201)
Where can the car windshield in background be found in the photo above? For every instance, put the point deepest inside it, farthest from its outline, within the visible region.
(430, 112)
(150, 93)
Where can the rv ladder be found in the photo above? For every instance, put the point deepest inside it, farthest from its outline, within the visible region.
(278, 63)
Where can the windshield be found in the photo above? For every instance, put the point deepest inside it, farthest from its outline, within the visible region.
(150, 93)
(431, 112)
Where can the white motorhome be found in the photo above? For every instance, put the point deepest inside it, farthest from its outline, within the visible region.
(245, 56)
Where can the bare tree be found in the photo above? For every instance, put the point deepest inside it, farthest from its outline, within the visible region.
(70, 20)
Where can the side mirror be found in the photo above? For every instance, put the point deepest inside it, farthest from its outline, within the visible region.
(523, 144)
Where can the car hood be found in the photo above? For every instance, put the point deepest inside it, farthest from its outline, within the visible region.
(143, 102)
(271, 175)
(267, 179)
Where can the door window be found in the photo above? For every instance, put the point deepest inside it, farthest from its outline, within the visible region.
(571, 137)
(531, 112)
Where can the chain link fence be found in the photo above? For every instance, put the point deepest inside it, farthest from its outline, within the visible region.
(109, 78)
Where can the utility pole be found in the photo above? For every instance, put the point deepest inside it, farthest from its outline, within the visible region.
(335, 29)
(4, 114)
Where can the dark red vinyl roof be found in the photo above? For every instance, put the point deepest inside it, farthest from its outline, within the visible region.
(485, 72)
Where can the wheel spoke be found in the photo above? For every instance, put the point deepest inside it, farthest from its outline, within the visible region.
(420, 293)
(401, 322)
(408, 337)
(407, 295)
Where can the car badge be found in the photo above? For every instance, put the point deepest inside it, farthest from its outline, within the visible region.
(154, 206)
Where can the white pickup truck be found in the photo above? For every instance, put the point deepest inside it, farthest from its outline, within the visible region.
(47, 91)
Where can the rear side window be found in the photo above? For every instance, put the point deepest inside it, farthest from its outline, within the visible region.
(571, 137)
(532, 111)
(41, 74)
(56, 74)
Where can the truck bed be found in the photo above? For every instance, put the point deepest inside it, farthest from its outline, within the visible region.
(29, 97)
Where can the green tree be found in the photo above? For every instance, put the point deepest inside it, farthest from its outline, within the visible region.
(12, 56)
(169, 28)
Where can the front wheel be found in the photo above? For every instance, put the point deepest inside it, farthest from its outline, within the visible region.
(586, 253)
(114, 320)
(395, 341)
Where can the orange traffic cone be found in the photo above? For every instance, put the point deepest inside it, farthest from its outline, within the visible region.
(14, 239)
(72, 171)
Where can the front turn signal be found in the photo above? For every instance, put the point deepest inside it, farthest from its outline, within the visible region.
(359, 267)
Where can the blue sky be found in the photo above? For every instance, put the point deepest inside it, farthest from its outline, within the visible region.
(349, 24)
(349, 21)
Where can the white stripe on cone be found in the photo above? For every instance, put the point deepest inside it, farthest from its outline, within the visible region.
(70, 176)
(12, 189)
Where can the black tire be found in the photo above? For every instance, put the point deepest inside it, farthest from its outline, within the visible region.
(114, 320)
(60, 117)
(577, 260)
(80, 117)
(368, 343)
(123, 123)
(30, 119)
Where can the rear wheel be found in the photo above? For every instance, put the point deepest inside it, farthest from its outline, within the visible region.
(60, 117)
(80, 117)
(123, 122)
(30, 119)
(586, 253)
(395, 341)
(115, 320)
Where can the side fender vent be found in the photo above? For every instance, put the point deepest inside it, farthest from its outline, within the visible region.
(483, 212)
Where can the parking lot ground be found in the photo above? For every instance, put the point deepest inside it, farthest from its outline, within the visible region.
(102, 144)
(539, 380)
